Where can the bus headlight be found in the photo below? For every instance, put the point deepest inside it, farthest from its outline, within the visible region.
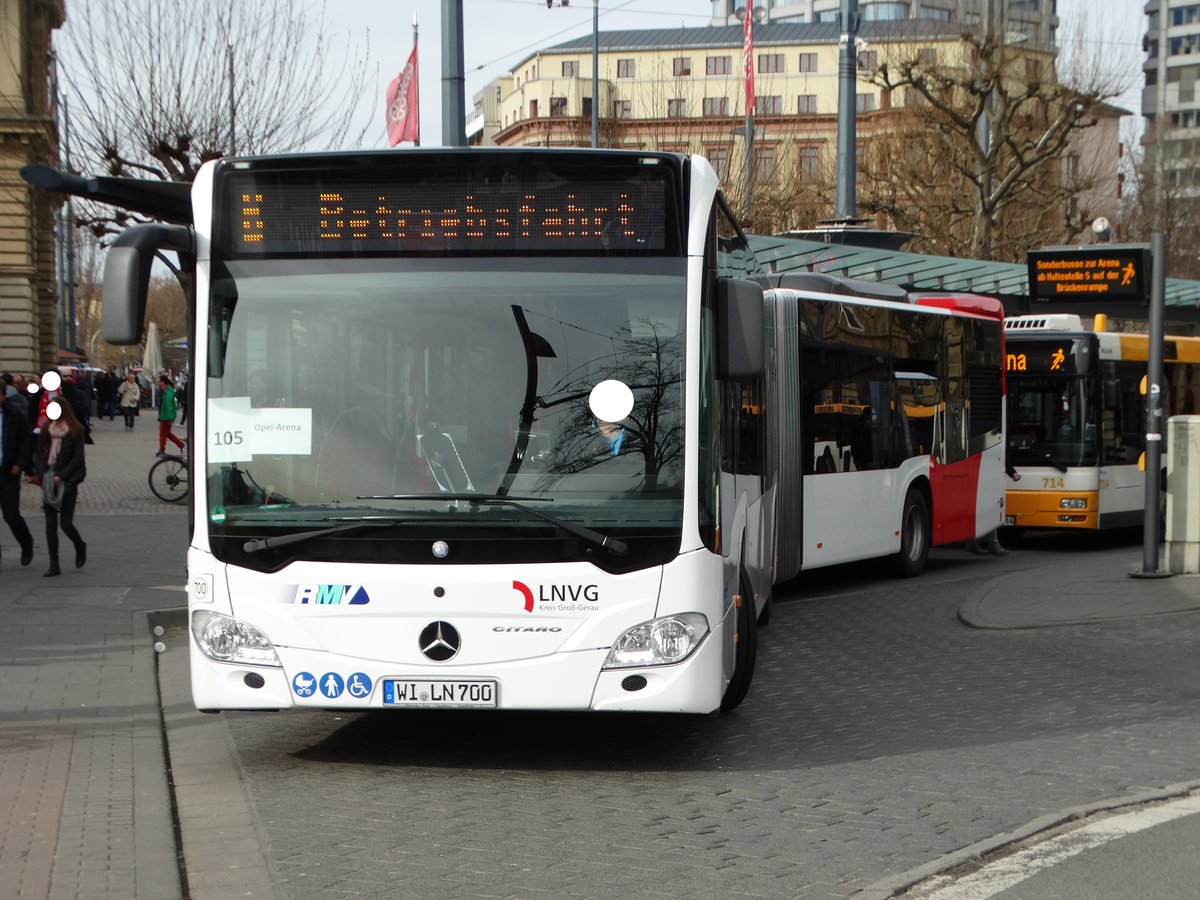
(659, 642)
(226, 639)
(1072, 503)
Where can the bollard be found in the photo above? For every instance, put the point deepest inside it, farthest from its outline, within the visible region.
(1183, 481)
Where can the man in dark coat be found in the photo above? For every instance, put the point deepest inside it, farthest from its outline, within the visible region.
(16, 458)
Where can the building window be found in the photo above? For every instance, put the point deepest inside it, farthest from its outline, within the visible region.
(677, 108)
(808, 62)
(716, 106)
(587, 107)
(622, 109)
(1033, 71)
(927, 57)
(558, 106)
(809, 167)
(716, 65)
(806, 103)
(764, 164)
(864, 102)
(570, 68)
(625, 68)
(719, 158)
(681, 66)
(768, 106)
(533, 109)
(769, 63)
(868, 60)
(928, 12)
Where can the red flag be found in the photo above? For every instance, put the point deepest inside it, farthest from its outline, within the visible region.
(748, 54)
(403, 119)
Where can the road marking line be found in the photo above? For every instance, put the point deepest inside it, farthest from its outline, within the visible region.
(999, 876)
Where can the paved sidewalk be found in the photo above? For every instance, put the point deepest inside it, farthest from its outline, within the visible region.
(92, 720)
(86, 803)
(1042, 596)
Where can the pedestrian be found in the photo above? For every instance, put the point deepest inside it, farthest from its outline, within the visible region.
(16, 458)
(990, 542)
(181, 398)
(166, 416)
(129, 395)
(60, 462)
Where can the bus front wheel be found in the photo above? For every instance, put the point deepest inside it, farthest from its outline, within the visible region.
(746, 636)
(914, 535)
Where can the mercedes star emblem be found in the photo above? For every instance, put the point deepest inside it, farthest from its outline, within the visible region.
(440, 641)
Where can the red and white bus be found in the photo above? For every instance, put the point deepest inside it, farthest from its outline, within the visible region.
(887, 415)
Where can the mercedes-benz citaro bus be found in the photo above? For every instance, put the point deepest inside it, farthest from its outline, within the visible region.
(532, 429)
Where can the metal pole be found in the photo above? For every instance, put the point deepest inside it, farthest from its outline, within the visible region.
(454, 102)
(595, 73)
(847, 124)
(232, 103)
(749, 160)
(1154, 412)
(416, 75)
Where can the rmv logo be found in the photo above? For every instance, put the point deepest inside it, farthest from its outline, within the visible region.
(332, 594)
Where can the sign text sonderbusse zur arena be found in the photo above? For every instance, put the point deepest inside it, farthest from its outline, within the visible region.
(1090, 274)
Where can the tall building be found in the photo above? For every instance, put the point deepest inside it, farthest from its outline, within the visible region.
(28, 307)
(1036, 19)
(1170, 102)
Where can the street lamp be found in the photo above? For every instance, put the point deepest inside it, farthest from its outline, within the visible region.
(595, 65)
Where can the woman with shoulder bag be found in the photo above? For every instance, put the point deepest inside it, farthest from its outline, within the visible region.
(60, 462)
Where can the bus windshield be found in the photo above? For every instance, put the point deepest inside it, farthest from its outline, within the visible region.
(1052, 421)
(335, 384)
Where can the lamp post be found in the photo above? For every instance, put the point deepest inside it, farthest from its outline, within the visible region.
(550, 4)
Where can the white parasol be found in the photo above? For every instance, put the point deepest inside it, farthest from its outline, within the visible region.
(152, 360)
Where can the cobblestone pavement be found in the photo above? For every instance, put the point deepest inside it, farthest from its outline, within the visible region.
(879, 735)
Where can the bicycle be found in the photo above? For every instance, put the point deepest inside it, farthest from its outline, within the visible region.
(169, 479)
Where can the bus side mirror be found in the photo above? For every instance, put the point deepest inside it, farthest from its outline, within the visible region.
(740, 337)
(1112, 393)
(127, 277)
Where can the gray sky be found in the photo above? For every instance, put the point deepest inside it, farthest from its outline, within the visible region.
(498, 33)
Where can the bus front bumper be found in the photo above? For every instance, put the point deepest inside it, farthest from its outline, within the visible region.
(1052, 509)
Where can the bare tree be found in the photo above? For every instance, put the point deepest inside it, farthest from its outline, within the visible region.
(985, 136)
(158, 87)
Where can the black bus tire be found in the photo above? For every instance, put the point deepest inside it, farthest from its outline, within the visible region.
(746, 651)
(914, 535)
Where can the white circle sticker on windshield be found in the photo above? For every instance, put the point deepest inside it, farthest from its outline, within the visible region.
(611, 401)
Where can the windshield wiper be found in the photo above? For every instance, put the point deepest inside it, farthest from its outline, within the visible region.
(595, 538)
(296, 537)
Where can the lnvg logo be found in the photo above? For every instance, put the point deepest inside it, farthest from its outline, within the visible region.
(569, 596)
(332, 594)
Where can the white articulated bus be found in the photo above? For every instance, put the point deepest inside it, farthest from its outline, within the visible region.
(531, 429)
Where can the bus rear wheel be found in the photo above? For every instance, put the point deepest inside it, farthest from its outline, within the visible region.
(746, 651)
(914, 536)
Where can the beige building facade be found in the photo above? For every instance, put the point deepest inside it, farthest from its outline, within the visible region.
(682, 90)
(28, 305)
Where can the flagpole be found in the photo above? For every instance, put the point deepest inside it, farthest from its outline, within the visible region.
(417, 141)
(748, 93)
